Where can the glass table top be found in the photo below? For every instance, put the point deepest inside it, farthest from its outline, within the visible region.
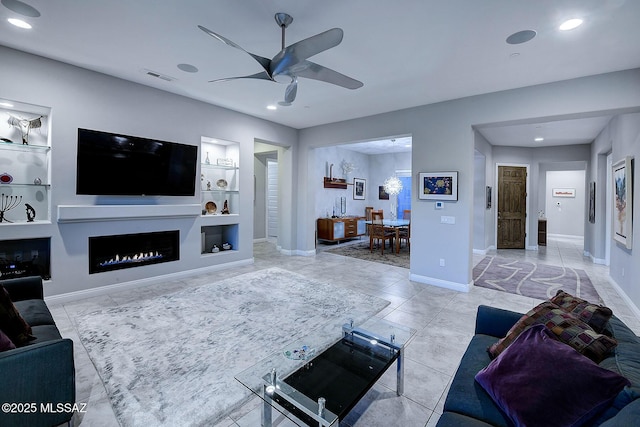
(320, 384)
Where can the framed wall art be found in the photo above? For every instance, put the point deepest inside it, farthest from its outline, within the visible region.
(359, 187)
(382, 195)
(592, 202)
(488, 197)
(438, 186)
(563, 192)
(623, 201)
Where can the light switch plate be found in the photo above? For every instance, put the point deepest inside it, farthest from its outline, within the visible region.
(439, 205)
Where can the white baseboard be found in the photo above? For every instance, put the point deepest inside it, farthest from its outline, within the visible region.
(480, 251)
(117, 287)
(460, 287)
(625, 297)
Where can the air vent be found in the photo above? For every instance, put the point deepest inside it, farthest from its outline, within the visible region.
(158, 75)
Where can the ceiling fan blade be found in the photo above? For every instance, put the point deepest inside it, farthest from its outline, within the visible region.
(291, 91)
(261, 76)
(286, 60)
(318, 72)
(264, 62)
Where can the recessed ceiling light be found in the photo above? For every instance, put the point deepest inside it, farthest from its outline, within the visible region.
(19, 23)
(570, 24)
(521, 37)
(271, 107)
(6, 104)
(188, 68)
(539, 139)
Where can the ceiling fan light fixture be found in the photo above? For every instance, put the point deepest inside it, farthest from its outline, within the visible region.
(570, 24)
(521, 37)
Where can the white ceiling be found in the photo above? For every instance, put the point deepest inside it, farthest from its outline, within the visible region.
(407, 53)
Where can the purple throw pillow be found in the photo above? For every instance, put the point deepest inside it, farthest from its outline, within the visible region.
(5, 342)
(540, 381)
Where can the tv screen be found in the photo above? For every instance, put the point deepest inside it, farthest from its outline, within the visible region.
(122, 165)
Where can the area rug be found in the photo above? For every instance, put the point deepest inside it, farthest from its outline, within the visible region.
(171, 360)
(361, 251)
(534, 280)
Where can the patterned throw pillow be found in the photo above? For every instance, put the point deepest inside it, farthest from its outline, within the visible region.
(5, 342)
(18, 331)
(568, 328)
(593, 315)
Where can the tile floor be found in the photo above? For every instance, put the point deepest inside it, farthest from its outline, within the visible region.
(443, 318)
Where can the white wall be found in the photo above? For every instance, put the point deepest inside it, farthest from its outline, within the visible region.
(443, 139)
(565, 215)
(81, 98)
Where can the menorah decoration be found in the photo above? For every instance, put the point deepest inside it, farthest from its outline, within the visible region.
(25, 125)
(7, 203)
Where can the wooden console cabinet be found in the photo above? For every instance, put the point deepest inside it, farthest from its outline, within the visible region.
(335, 229)
(542, 232)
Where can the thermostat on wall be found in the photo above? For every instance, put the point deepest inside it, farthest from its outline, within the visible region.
(439, 205)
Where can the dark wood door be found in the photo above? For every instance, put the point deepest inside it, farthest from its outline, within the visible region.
(512, 214)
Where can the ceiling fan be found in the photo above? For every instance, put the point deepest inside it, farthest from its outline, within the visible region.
(291, 62)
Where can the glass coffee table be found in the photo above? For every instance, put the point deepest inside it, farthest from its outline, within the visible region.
(317, 384)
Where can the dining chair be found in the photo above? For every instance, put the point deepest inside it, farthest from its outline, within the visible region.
(405, 232)
(380, 233)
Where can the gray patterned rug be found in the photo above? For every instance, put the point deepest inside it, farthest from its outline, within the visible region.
(171, 360)
(361, 251)
(533, 280)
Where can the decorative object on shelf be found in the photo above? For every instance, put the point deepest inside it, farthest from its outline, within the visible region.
(226, 246)
(211, 207)
(37, 181)
(5, 178)
(623, 201)
(215, 249)
(224, 162)
(347, 168)
(25, 125)
(31, 212)
(438, 186)
(222, 183)
(207, 161)
(225, 208)
(7, 203)
(359, 187)
(340, 208)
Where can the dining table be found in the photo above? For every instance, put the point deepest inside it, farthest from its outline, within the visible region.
(396, 225)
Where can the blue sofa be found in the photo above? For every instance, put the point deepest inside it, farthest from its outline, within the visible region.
(38, 379)
(468, 404)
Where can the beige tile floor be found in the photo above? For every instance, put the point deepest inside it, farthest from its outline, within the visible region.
(444, 321)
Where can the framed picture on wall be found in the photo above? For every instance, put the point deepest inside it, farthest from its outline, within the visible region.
(592, 202)
(438, 186)
(623, 201)
(359, 188)
(488, 197)
(382, 195)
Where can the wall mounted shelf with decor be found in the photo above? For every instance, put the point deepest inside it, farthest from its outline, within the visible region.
(335, 183)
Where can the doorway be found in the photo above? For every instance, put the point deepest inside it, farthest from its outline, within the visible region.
(272, 198)
(512, 207)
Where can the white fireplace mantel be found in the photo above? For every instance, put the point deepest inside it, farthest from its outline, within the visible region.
(89, 213)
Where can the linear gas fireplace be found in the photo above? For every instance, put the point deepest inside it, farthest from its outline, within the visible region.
(108, 253)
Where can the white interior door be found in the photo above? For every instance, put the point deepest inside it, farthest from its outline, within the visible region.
(272, 198)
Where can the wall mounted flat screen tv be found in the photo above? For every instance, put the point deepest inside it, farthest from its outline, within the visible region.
(121, 165)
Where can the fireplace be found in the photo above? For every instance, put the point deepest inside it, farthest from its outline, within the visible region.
(108, 253)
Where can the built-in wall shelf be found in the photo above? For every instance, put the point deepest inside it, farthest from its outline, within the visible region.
(88, 213)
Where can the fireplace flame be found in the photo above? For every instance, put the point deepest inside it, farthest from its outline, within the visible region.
(135, 258)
